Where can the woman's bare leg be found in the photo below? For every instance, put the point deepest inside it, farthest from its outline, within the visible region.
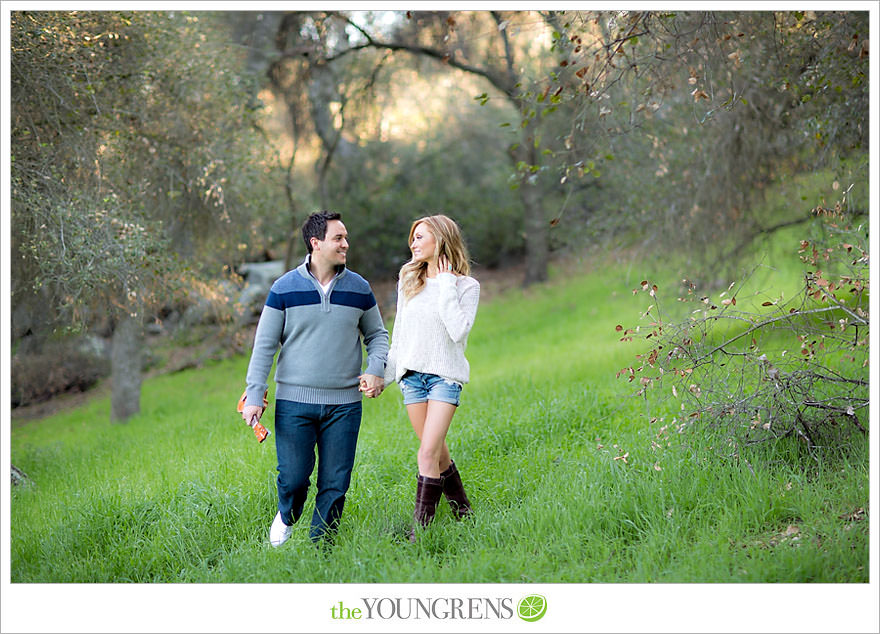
(431, 423)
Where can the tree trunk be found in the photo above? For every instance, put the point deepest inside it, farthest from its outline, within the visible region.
(535, 224)
(323, 90)
(292, 257)
(126, 367)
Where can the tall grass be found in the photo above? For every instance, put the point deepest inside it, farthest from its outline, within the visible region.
(568, 479)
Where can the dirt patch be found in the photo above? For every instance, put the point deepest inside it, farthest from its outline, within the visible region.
(494, 282)
(36, 411)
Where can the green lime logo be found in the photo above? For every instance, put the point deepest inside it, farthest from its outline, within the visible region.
(532, 607)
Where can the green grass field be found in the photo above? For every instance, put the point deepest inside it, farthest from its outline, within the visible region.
(555, 453)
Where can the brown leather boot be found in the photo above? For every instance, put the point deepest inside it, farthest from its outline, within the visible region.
(454, 491)
(428, 492)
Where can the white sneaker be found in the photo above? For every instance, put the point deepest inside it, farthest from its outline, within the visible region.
(280, 532)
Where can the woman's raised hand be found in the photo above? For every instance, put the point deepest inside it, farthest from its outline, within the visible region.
(444, 264)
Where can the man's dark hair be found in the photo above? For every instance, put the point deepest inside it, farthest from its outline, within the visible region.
(315, 226)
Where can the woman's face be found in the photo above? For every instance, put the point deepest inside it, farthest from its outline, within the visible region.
(423, 244)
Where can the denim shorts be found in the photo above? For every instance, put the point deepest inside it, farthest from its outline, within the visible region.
(418, 387)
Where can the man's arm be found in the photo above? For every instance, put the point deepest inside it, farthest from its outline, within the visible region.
(266, 341)
(376, 341)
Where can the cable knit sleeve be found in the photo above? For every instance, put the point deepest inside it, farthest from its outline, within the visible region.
(459, 298)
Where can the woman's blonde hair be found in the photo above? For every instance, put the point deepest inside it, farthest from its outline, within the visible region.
(449, 243)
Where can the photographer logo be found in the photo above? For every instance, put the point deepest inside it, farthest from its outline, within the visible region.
(532, 608)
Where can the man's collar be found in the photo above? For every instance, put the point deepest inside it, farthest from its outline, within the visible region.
(308, 263)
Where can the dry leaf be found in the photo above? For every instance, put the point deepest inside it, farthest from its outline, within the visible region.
(855, 516)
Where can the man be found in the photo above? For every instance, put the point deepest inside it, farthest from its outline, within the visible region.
(318, 313)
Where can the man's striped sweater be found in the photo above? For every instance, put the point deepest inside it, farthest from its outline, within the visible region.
(320, 337)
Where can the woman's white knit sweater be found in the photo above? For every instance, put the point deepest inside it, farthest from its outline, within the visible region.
(431, 329)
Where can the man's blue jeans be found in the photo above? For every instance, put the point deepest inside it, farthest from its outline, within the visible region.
(299, 428)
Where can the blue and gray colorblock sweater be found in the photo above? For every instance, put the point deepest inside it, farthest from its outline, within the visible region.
(320, 339)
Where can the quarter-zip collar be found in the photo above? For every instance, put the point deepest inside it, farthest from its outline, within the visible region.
(305, 269)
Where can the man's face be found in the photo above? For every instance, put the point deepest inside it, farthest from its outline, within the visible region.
(333, 248)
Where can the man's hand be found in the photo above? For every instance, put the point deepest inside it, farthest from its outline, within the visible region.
(250, 412)
(371, 385)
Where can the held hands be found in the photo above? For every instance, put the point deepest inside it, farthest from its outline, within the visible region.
(371, 385)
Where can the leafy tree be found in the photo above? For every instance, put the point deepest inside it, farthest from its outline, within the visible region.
(338, 118)
(132, 144)
(703, 110)
(504, 49)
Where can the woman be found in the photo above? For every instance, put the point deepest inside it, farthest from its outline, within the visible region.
(436, 305)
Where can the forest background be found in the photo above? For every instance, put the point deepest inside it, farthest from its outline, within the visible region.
(153, 154)
(156, 155)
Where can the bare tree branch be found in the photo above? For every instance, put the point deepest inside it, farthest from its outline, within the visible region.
(447, 58)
